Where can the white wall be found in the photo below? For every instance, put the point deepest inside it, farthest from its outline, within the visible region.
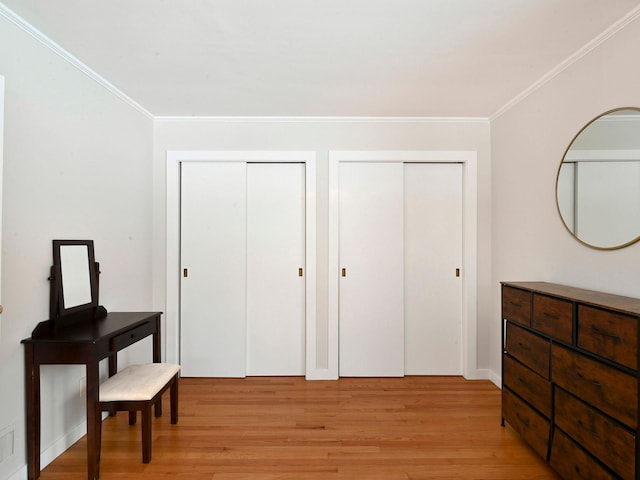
(527, 144)
(77, 164)
(321, 136)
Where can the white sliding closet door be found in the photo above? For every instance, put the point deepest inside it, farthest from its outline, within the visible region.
(400, 253)
(242, 253)
(433, 253)
(213, 259)
(1, 164)
(275, 255)
(371, 256)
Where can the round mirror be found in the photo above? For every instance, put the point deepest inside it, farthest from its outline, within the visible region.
(598, 183)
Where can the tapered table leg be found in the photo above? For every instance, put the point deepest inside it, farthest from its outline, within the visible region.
(32, 402)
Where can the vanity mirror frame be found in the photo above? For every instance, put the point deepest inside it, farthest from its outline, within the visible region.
(58, 307)
(608, 149)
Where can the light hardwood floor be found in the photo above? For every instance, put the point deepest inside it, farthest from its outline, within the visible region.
(288, 428)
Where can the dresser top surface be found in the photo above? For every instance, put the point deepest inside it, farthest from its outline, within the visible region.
(589, 297)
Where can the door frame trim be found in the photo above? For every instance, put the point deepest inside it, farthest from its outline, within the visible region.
(468, 159)
(174, 159)
(1, 170)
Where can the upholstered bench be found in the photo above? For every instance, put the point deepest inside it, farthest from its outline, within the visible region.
(139, 387)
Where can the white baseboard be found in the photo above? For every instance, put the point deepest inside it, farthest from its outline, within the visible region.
(496, 378)
(480, 374)
(485, 374)
(320, 374)
(61, 445)
(21, 474)
(58, 448)
(50, 454)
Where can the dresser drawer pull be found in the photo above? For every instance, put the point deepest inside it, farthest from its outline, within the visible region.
(592, 382)
(584, 427)
(515, 304)
(525, 420)
(524, 382)
(551, 316)
(523, 346)
(602, 333)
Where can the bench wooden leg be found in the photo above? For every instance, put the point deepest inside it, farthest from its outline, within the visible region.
(158, 407)
(132, 417)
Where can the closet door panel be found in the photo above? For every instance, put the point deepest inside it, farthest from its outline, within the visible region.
(275, 253)
(371, 306)
(213, 252)
(433, 252)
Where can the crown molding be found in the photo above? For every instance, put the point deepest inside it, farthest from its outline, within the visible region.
(592, 45)
(320, 119)
(25, 26)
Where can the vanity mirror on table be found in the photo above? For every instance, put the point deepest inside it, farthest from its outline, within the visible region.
(79, 331)
(74, 279)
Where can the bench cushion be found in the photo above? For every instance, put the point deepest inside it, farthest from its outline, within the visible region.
(137, 382)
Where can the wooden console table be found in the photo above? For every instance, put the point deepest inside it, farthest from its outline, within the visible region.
(84, 343)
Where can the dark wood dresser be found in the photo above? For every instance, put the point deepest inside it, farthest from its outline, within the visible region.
(570, 377)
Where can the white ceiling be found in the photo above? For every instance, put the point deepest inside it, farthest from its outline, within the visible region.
(435, 58)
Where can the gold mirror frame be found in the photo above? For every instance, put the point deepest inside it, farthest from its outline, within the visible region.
(624, 155)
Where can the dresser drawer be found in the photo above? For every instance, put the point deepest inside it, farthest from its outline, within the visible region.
(611, 444)
(531, 349)
(527, 384)
(532, 427)
(553, 317)
(606, 388)
(131, 336)
(516, 305)
(573, 463)
(608, 334)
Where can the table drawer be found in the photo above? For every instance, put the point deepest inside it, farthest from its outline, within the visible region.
(572, 462)
(516, 305)
(606, 388)
(553, 317)
(527, 384)
(608, 334)
(609, 442)
(531, 349)
(131, 336)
